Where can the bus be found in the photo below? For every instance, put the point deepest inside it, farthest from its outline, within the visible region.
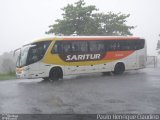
(53, 58)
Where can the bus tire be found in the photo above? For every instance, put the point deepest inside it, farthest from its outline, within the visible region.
(119, 68)
(56, 73)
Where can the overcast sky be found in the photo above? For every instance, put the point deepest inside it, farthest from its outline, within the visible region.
(22, 21)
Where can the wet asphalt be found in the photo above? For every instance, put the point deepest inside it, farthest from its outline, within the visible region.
(136, 91)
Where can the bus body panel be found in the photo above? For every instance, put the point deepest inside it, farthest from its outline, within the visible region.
(77, 63)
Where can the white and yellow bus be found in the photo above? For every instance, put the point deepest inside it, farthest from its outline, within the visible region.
(52, 58)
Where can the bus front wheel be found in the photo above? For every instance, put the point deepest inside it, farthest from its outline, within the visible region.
(56, 74)
(119, 68)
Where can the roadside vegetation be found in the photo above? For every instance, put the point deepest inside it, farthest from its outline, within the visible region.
(8, 76)
(7, 66)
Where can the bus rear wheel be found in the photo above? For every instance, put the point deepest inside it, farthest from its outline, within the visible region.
(119, 69)
(56, 74)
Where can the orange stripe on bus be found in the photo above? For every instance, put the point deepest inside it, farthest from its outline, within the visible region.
(114, 55)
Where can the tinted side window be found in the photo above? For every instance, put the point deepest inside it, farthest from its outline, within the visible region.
(96, 46)
(132, 44)
(62, 47)
(124, 45)
(110, 45)
(79, 46)
(69, 47)
(37, 52)
(139, 44)
(57, 48)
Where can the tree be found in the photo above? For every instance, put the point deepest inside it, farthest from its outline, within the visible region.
(80, 19)
(8, 66)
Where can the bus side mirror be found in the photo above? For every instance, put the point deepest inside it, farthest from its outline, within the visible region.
(16, 51)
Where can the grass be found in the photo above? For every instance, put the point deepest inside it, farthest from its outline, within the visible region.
(8, 76)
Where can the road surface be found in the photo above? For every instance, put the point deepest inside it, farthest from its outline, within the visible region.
(133, 92)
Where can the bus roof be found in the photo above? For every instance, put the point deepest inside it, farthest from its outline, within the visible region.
(89, 38)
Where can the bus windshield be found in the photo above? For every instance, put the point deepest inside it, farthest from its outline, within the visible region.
(32, 53)
(22, 58)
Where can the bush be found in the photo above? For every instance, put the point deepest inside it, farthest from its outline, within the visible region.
(8, 76)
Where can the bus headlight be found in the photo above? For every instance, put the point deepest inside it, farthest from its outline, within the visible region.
(19, 70)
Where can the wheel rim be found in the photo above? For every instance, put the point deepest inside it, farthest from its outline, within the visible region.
(119, 69)
(56, 74)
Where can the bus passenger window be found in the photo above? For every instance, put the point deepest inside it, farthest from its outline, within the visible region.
(76, 46)
(67, 48)
(113, 46)
(84, 47)
(79, 46)
(101, 47)
(96, 46)
(57, 48)
(93, 46)
(140, 44)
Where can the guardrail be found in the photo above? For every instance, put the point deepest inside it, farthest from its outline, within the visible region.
(152, 61)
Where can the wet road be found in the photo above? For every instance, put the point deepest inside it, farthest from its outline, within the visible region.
(132, 92)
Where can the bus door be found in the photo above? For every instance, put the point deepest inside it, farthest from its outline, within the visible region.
(34, 57)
